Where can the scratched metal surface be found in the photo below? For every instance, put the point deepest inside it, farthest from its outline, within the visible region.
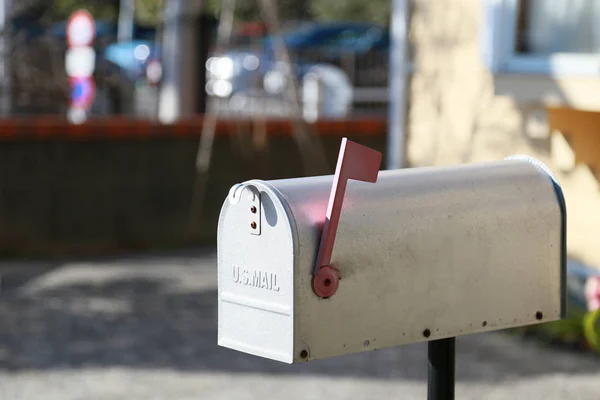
(451, 251)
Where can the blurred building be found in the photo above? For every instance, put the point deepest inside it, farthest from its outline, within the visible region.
(498, 77)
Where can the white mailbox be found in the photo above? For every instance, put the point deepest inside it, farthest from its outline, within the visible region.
(420, 254)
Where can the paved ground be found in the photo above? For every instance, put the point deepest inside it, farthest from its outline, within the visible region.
(145, 328)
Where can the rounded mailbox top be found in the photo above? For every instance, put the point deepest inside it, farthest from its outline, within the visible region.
(544, 168)
(535, 162)
(560, 197)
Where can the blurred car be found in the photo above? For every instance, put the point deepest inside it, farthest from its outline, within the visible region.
(248, 33)
(138, 59)
(249, 67)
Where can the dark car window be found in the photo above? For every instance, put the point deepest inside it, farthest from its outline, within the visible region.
(336, 38)
(373, 34)
(348, 38)
(345, 38)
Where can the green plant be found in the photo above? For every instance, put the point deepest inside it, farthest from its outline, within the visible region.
(591, 329)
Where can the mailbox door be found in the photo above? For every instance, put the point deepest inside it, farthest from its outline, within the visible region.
(255, 273)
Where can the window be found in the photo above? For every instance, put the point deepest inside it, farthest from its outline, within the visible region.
(553, 37)
(346, 37)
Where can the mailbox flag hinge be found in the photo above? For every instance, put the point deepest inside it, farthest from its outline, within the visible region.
(354, 162)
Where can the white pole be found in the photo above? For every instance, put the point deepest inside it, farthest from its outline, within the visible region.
(5, 56)
(311, 98)
(126, 20)
(168, 107)
(396, 140)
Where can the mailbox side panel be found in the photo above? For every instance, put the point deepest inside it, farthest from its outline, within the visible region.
(255, 274)
(429, 253)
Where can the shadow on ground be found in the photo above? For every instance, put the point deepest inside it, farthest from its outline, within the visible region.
(152, 314)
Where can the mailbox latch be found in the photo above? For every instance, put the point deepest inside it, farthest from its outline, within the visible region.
(248, 196)
(354, 162)
(254, 210)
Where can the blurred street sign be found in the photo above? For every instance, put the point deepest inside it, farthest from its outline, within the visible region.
(83, 91)
(81, 29)
(76, 115)
(80, 61)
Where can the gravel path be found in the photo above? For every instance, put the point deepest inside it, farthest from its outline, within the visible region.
(145, 328)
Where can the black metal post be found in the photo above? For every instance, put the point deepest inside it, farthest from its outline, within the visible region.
(440, 369)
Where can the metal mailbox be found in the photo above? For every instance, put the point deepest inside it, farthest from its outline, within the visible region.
(412, 255)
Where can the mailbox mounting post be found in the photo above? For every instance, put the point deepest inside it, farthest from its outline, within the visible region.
(440, 369)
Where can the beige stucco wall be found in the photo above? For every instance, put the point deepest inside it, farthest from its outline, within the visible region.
(459, 112)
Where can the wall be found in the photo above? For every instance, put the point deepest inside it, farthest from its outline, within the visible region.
(461, 113)
(106, 188)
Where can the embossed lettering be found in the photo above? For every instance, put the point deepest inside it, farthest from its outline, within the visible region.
(274, 286)
(255, 278)
(264, 281)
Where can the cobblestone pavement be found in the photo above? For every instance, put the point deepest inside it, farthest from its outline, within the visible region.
(144, 327)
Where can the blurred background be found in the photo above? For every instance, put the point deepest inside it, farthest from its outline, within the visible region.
(123, 124)
(141, 45)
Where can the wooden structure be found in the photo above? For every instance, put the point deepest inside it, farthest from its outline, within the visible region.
(580, 129)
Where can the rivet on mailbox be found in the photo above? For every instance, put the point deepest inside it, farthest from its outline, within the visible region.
(370, 259)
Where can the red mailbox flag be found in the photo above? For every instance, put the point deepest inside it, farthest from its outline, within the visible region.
(354, 162)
